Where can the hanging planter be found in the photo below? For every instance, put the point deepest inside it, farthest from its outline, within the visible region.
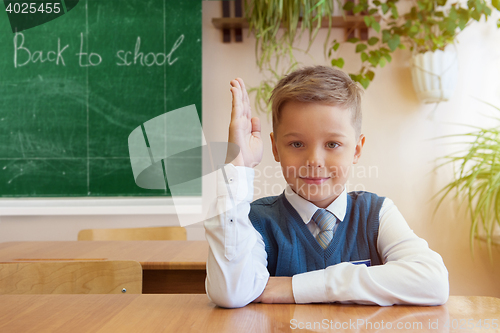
(434, 75)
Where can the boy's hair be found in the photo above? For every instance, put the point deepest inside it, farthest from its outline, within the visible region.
(320, 84)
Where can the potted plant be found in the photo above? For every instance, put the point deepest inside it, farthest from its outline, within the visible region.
(477, 181)
(428, 28)
(274, 47)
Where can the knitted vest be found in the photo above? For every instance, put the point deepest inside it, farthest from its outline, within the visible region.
(292, 249)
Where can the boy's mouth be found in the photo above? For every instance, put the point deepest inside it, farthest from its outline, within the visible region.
(314, 180)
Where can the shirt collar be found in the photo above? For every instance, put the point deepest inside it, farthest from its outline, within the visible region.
(306, 209)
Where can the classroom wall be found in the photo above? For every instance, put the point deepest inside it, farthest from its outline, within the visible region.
(398, 158)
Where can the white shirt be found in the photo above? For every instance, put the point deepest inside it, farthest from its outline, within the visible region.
(237, 261)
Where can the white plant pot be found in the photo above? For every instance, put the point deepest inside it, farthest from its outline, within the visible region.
(435, 75)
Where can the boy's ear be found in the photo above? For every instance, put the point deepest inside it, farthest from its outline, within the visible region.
(275, 149)
(359, 148)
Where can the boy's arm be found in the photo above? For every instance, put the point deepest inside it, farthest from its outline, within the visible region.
(411, 274)
(237, 261)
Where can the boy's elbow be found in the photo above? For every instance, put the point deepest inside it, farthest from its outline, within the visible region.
(438, 287)
(226, 302)
(442, 289)
(223, 298)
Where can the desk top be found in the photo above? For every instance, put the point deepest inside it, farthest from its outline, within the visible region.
(195, 313)
(154, 255)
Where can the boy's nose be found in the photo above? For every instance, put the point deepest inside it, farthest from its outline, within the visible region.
(315, 159)
(314, 163)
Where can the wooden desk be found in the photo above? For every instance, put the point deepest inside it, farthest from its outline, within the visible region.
(168, 266)
(194, 313)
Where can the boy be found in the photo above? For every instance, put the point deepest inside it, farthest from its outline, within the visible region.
(314, 242)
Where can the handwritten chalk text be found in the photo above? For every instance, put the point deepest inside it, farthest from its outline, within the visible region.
(150, 58)
(23, 56)
(20, 51)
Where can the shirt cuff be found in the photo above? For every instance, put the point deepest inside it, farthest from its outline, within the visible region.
(235, 181)
(309, 287)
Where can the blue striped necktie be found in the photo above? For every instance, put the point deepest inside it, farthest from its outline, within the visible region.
(326, 222)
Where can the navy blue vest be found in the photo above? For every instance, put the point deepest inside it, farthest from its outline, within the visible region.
(292, 249)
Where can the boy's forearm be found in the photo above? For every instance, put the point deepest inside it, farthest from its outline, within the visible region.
(278, 290)
(399, 283)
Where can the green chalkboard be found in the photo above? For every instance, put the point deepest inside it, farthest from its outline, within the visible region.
(73, 89)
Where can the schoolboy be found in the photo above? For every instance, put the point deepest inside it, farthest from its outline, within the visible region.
(315, 242)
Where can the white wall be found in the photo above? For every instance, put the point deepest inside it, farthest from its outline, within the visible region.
(398, 130)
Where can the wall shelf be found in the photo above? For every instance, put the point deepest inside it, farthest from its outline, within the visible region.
(350, 21)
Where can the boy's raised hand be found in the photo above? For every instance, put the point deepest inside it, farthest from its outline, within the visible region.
(243, 129)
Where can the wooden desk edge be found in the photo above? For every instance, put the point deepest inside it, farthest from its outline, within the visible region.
(174, 266)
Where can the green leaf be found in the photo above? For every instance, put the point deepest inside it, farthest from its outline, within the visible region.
(348, 6)
(382, 62)
(336, 46)
(368, 20)
(386, 35)
(394, 12)
(498, 24)
(361, 47)
(358, 9)
(394, 42)
(353, 40)
(496, 4)
(464, 15)
(364, 82)
(388, 57)
(364, 56)
(372, 41)
(451, 27)
(476, 15)
(453, 14)
(385, 8)
(413, 30)
(374, 60)
(479, 6)
(354, 77)
(370, 75)
(376, 26)
(338, 62)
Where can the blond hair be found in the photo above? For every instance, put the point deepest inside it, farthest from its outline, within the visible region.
(318, 84)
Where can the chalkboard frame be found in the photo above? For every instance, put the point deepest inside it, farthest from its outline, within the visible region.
(98, 206)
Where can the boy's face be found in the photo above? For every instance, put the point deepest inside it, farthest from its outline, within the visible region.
(316, 145)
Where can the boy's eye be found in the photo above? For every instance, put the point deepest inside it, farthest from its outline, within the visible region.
(332, 145)
(296, 144)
